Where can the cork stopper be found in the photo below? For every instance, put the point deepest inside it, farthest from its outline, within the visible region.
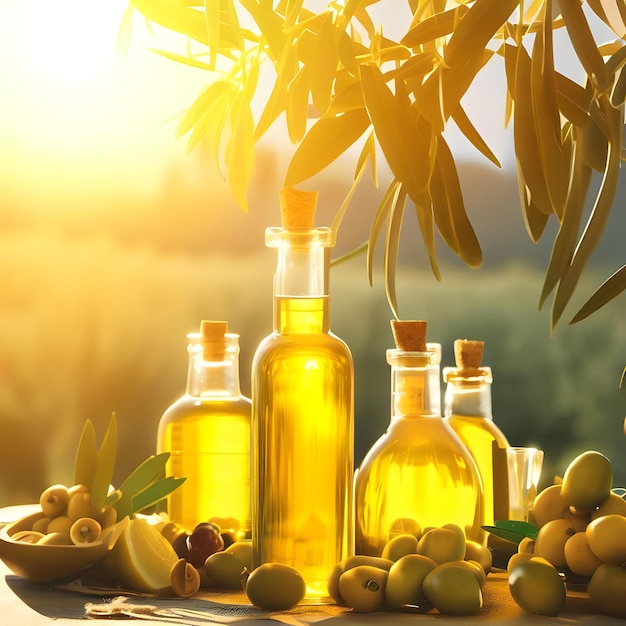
(409, 335)
(468, 353)
(213, 340)
(297, 208)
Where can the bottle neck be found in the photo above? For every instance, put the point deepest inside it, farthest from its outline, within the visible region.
(301, 298)
(415, 387)
(214, 378)
(468, 396)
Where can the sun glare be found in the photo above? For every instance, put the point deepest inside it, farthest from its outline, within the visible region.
(68, 41)
(72, 109)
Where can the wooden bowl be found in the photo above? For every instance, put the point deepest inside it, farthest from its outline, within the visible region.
(52, 563)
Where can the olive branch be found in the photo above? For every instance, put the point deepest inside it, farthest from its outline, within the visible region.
(340, 81)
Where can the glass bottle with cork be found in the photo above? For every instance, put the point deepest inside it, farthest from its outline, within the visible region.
(207, 433)
(302, 410)
(418, 474)
(467, 403)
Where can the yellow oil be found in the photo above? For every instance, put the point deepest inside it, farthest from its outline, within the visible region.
(417, 475)
(209, 442)
(302, 443)
(479, 435)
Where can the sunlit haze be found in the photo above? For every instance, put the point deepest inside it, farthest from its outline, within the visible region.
(72, 112)
(74, 115)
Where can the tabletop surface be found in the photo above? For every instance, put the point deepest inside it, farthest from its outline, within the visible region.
(30, 604)
(22, 602)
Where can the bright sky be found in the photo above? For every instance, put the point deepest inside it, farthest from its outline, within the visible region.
(70, 107)
(72, 113)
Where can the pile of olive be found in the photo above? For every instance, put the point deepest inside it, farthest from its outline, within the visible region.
(581, 538)
(271, 586)
(68, 518)
(439, 570)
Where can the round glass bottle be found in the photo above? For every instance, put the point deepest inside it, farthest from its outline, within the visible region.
(418, 474)
(207, 433)
(302, 412)
(467, 408)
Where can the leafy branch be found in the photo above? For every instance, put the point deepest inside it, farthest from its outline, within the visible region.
(339, 81)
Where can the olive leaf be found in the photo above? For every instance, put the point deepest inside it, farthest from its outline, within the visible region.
(512, 530)
(155, 492)
(465, 125)
(385, 206)
(612, 287)
(86, 456)
(449, 208)
(433, 27)
(105, 464)
(597, 219)
(531, 181)
(325, 141)
(552, 156)
(357, 179)
(565, 241)
(583, 42)
(476, 29)
(147, 472)
(396, 131)
(391, 248)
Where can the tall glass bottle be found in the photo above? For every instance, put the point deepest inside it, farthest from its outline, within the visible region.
(467, 404)
(207, 432)
(302, 410)
(418, 474)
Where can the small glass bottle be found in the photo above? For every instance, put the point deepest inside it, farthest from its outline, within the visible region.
(467, 403)
(302, 411)
(207, 433)
(418, 474)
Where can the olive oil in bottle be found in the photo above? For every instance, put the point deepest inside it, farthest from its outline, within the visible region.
(467, 404)
(207, 433)
(302, 410)
(418, 474)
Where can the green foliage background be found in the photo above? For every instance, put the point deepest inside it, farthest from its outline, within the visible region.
(90, 325)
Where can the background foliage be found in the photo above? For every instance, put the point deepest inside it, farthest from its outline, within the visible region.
(95, 322)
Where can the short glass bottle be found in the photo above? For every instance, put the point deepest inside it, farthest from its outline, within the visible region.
(207, 433)
(467, 408)
(418, 474)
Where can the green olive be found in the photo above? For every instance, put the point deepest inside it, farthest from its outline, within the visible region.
(60, 524)
(349, 563)
(475, 551)
(243, 551)
(453, 590)
(224, 569)
(79, 502)
(537, 587)
(399, 546)
(54, 500)
(472, 566)
(275, 587)
(587, 481)
(363, 588)
(606, 590)
(55, 539)
(85, 530)
(442, 545)
(404, 583)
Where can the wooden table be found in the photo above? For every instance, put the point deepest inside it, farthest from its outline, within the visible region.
(27, 604)
(23, 603)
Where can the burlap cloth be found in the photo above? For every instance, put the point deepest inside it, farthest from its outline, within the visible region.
(226, 607)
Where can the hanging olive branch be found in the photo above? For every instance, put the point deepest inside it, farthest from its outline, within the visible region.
(340, 81)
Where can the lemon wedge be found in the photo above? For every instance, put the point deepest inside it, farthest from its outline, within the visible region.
(142, 558)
